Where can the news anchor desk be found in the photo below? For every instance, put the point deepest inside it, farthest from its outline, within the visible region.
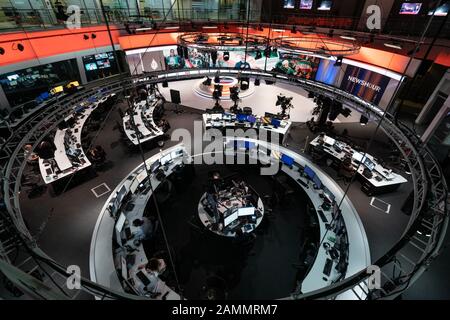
(62, 166)
(110, 265)
(382, 180)
(231, 121)
(143, 118)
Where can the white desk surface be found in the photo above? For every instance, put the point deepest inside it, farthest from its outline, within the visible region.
(386, 178)
(142, 112)
(359, 253)
(62, 160)
(102, 262)
(208, 123)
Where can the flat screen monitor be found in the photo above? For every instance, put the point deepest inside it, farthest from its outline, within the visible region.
(328, 194)
(287, 160)
(90, 66)
(330, 141)
(166, 158)
(440, 11)
(120, 222)
(306, 4)
(251, 119)
(216, 116)
(317, 181)
(134, 185)
(357, 156)
(141, 176)
(248, 211)
(325, 5)
(369, 164)
(289, 4)
(121, 194)
(309, 172)
(230, 218)
(275, 122)
(241, 117)
(410, 8)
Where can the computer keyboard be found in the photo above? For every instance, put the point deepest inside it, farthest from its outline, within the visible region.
(322, 216)
(327, 267)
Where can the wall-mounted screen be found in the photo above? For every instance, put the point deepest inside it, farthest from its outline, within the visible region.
(325, 5)
(328, 73)
(306, 4)
(90, 66)
(297, 65)
(365, 84)
(289, 4)
(410, 8)
(99, 65)
(440, 11)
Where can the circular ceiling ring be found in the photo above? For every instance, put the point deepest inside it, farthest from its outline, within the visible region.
(222, 41)
(319, 46)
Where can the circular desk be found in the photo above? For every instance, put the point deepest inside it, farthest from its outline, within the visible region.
(242, 222)
(227, 82)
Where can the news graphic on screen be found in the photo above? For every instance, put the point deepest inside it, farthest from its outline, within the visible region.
(410, 8)
(306, 4)
(325, 5)
(289, 4)
(239, 60)
(173, 58)
(440, 11)
(90, 66)
(367, 85)
(197, 59)
(297, 65)
(328, 73)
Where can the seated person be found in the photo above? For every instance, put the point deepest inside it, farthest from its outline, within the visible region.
(97, 154)
(156, 266)
(29, 155)
(146, 228)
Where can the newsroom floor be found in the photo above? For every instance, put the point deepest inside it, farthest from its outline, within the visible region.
(63, 225)
(250, 270)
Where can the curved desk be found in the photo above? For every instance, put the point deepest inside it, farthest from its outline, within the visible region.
(115, 217)
(143, 118)
(62, 165)
(358, 247)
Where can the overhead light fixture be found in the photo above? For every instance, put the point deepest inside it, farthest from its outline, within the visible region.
(279, 30)
(2, 51)
(144, 29)
(85, 37)
(172, 28)
(338, 62)
(348, 37)
(19, 47)
(93, 36)
(209, 27)
(363, 120)
(393, 45)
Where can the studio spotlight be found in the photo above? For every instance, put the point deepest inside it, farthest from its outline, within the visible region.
(257, 82)
(93, 36)
(207, 82)
(363, 120)
(310, 94)
(85, 37)
(330, 33)
(338, 62)
(2, 51)
(165, 84)
(346, 112)
(226, 56)
(258, 55)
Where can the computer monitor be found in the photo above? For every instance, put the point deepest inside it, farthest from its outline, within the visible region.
(330, 141)
(309, 172)
(369, 164)
(124, 269)
(134, 185)
(317, 181)
(121, 194)
(166, 158)
(241, 117)
(119, 227)
(247, 211)
(287, 160)
(251, 119)
(357, 156)
(230, 218)
(275, 122)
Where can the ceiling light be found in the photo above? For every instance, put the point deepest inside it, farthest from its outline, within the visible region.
(393, 45)
(348, 38)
